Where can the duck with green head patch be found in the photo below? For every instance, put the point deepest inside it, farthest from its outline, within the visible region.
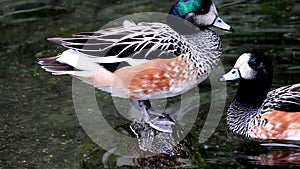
(257, 112)
(201, 13)
(114, 59)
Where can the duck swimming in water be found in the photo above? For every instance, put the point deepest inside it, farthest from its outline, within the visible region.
(257, 112)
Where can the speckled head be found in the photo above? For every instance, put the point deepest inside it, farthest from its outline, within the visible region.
(201, 13)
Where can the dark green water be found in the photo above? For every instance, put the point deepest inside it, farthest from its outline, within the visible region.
(38, 124)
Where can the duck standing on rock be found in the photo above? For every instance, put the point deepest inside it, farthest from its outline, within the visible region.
(257, 112)
(94, 57)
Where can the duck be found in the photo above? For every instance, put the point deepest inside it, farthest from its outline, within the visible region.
(256, 112)
(113, 59)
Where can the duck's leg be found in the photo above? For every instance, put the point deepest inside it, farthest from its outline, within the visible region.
(161, 123)
(145, 106)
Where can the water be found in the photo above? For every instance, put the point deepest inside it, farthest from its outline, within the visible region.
(38, 123)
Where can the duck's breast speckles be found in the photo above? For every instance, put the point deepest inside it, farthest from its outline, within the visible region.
(279, 125)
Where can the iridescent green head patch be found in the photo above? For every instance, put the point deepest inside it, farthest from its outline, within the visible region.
(182, 7)
(252, 60)
(260, 66)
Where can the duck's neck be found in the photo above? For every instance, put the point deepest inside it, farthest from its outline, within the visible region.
(183, 26)
(246, 104)
(253, 92)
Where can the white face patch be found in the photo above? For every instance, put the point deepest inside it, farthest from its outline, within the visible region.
(242, 65)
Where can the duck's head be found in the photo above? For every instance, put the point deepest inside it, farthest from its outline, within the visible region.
(201, 13)
(251, 66)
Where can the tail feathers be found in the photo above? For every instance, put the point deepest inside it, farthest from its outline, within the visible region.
(69, 62)
(56, 40)
(77, 60)
(48, 61)
(58, 68)
(53, 66)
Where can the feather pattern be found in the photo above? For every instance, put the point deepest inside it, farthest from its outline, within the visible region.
(145, 41)
(241, 117)
(286, 98)
(130, 36)
(280, 108)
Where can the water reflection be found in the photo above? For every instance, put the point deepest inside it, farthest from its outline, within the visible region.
(39, 128)
(267, 152)
(278, 156)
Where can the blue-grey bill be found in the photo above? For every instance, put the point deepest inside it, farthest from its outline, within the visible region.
(219, 23)
(233, 74)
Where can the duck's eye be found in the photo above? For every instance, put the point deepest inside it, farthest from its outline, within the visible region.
(201, 11)
(253, 62)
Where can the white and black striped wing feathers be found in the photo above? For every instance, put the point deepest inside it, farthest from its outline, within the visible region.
(127, 40)
(286, 98)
